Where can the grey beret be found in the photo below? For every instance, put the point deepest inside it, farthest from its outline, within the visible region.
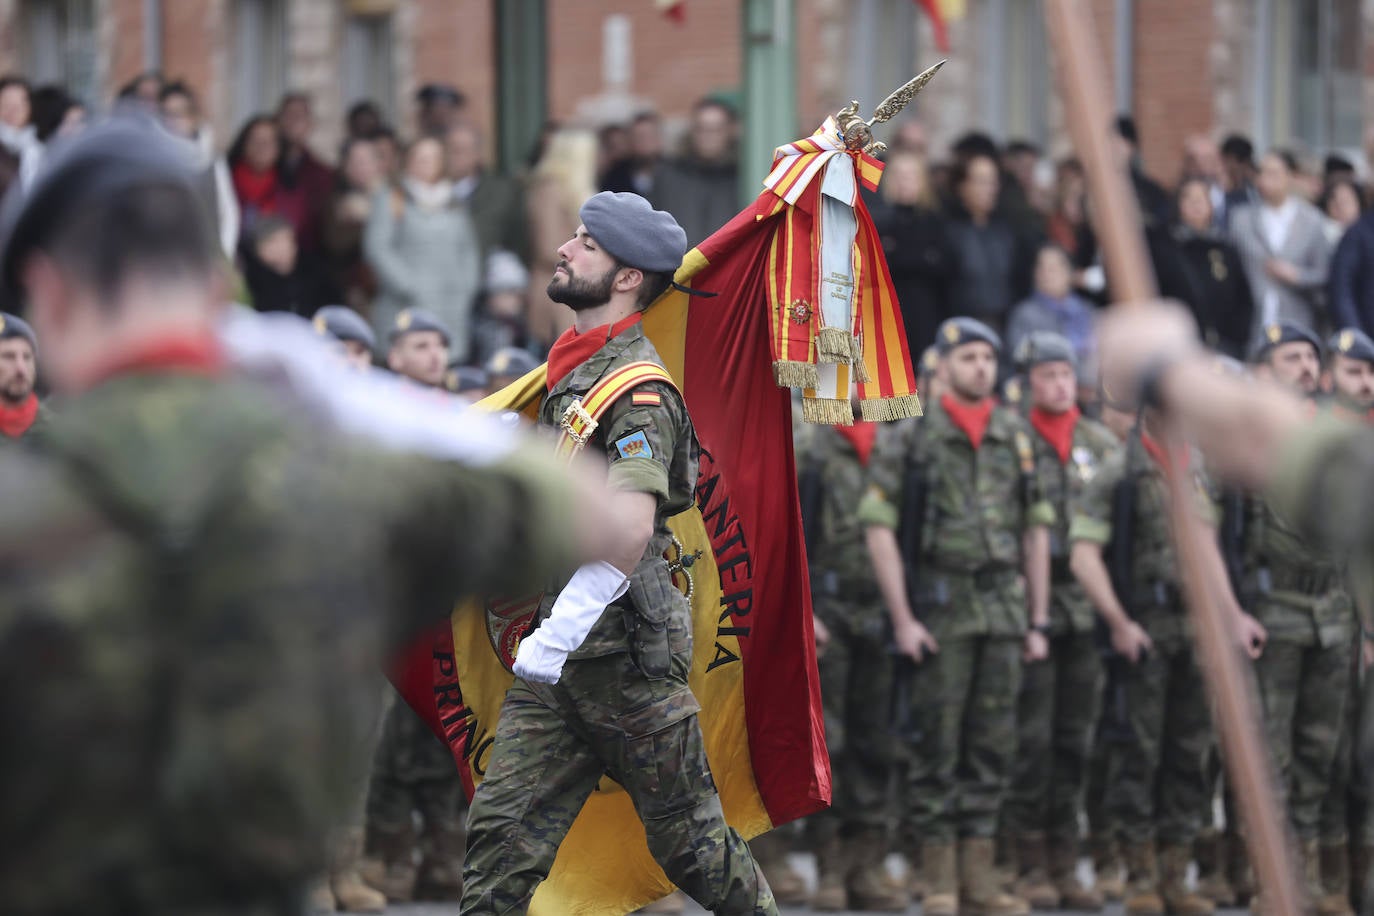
(633, 232)
(1039, 347)
(510, 361)
(408, 321)
(930, 361)
(1353, 343)
(1278, 333)
(467, 378)
(955, 332)
(14, 326)
(342, 323)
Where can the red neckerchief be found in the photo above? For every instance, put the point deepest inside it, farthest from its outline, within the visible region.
(257, 189)
(1156, 451)
(861, 435)
(972, 420)
(15, 421)
(1056, 429)
(572, 349)
(183, 354)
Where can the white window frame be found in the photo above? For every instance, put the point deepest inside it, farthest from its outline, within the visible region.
(260, 56)
(368, 61)
(61, 46)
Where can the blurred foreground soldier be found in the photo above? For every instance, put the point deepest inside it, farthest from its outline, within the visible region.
(21, 415)
(851, 837)
(955, 517)
(601, 683)
(418, 348)
(1156, 783)
(198, 576)
(1351, 369)
(1061, 695)
(352, 332)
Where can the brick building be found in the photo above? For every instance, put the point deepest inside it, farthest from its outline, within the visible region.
(1296, 72)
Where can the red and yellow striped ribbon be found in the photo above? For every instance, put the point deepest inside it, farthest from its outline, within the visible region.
(581, 418)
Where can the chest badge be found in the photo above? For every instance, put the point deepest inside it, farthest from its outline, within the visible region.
(1083, 463)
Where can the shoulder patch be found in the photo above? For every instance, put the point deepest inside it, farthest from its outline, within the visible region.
(635, 445)
(646, 399)
(1024, 450)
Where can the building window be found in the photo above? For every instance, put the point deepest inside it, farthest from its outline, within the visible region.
(369, 71)
(1316, 91)
(1017, 92)
(61, 46)
(260, 56)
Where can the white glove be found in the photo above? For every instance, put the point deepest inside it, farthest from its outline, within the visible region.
(579, 606)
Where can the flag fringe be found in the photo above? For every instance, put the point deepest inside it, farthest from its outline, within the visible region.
(795, 374)
(830, 411)
(835, 345)
(861, 375)
(884, 410)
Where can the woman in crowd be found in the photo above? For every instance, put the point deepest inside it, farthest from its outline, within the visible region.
(1223, 303)
(253, 159)
(1342, 204)
(423, 248)
(359, 178)
(913, 236)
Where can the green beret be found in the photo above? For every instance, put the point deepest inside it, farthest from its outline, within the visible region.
(633, 232)
(1039, 347)
(955, 332)
(1352, 343)
(1277, 333)
(409, 321)
(14, 326)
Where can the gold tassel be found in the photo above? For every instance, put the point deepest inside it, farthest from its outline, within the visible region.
(830, 411)
(793, 374)
(861, 371)
(884, 410)
(834, 345)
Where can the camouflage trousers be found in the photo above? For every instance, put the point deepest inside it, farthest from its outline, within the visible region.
(412, 771)
(1157, 782)
(1346, 812)
(965, 716)
(856, 694)
(1056, 720)
(553, 745)
(1304, 689)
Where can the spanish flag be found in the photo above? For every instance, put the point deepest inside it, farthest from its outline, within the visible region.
(941, 13)
(754, 669)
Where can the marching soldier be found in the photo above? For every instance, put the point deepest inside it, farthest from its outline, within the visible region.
(351, 330)
(1060, 696)
(851, 837)
(962, 486)
(1156, 785)
(21, 415)
(1351, 372)
(601, 684)
(198, 575)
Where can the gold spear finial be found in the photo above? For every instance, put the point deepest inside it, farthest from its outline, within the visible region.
(858, 133)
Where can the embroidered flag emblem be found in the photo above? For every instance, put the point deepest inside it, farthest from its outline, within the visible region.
(646, 399)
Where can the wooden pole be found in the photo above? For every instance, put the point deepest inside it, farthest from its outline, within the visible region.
(1131, 279)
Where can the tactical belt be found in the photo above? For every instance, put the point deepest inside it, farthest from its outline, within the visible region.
(985, 578)
(582, 416)
(1304, 582)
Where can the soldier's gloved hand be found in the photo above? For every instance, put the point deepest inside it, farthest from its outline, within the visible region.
(541, 655)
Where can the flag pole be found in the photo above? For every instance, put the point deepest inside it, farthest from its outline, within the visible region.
(1083, 86)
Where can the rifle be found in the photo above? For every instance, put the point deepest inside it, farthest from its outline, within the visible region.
(910, 535)
(1231, 538)
(1116, 726)
(810, 491)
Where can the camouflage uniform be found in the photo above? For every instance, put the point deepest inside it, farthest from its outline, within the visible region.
(622, 705)
(970, 595)
(37, 431)
(193, 580)
(1156, 784)
(1060, 696)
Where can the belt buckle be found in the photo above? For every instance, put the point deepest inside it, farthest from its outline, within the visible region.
(585, 425)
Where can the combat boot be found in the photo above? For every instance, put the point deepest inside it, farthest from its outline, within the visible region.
(1361, 858)
(350, 894)
(321, 897)
(1173, 883)
(939, 861)
(1141, 893)
(770, 852)
(1107, 867)
(915, 874)
(1209, 851)
(1238, 869)
(391, 868)
(441, 862)
(1064, 873)
(871, 888)
(980, 893)
(831, 866)
(1006, 861)
(1334, 899)
(1034, 883)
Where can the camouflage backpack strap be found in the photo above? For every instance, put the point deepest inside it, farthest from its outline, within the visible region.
(582, 416)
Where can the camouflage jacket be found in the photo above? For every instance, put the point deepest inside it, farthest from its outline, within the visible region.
(1065, 485)
(980, 503)
(836, 552)
(197, 582)
(648, 439)
(34, 435)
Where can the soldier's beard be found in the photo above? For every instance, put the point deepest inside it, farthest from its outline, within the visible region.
(16, 391)
(581, 295)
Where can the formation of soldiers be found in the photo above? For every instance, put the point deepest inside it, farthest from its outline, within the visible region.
(1007, 668)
